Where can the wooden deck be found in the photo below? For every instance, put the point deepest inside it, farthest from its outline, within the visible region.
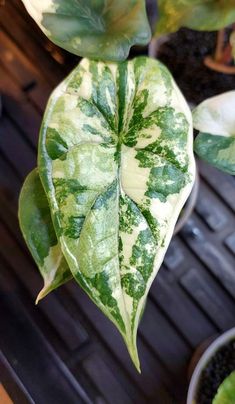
(64, 350)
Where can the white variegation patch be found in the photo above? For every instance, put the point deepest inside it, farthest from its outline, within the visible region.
(133, 177)
(216, 115)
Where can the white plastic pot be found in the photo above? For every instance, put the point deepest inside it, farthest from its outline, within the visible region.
(207, 355)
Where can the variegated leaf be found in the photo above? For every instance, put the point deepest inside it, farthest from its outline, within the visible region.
(201, 15)
(39, 234)
(215, 119)
(116, 161)
(103, 29)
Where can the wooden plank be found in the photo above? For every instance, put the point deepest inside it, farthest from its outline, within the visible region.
(164, 339)
(105, 381)
(43, 374)
(15, 61)
(71, 333)
(193, 234)
(12, 383)
(174, 259)
(223, 184)
(211, 253)
(209, 300)
(52, 50)
(23, 71)
(18, 108)
(166, 343)
(10, 182)
(8, 217)
(153, 374)
(181, 310)
(230, 242)
(13, 145)
(210, 208)
(24, 34)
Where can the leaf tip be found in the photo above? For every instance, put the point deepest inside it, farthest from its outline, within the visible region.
(135, 360)
(38, 298)
(43, 293)
(133, 352)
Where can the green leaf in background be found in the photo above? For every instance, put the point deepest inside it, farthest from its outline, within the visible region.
(98, 29)
(201, 15)
(117, 165)
(226, 391)
(39, 234)
(215, 120)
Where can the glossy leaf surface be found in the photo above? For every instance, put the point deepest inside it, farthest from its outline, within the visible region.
(116, 161)
(39, 234)
(215, 119)
(103, 29)
(201, 15)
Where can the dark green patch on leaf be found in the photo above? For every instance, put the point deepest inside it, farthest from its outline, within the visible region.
(219, 151)
(35, 218)
(134, 285)
(74, 227)
(143, 253)
(37, 228)
(129, 215)
(56, 146)
(65, 187)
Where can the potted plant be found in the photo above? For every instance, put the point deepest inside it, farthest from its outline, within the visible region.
(115, 161)
(200, 15)
(213, 379)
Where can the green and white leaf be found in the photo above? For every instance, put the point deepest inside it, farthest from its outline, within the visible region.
(215, 120)
(103, 29)
(116, 161)
(201, 15)
(226, 391)
(37, 228)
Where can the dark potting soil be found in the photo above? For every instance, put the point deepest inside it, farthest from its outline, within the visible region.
(217, 369)
(183, 54)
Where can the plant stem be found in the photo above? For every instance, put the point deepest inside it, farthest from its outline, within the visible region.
(222, 57)
(219, 46)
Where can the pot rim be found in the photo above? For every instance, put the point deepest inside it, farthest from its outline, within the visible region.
(209, 352)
